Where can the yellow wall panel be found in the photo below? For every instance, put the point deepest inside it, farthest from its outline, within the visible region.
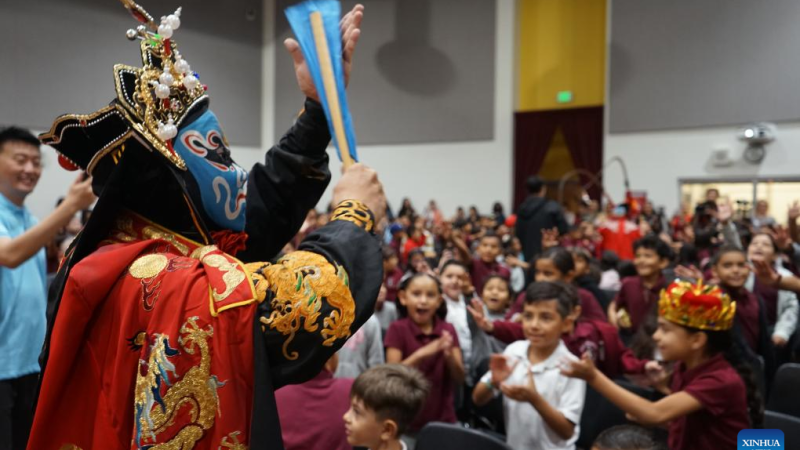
(561, 48)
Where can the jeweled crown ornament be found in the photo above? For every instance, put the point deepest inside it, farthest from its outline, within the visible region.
(152, 102)
(700, 306)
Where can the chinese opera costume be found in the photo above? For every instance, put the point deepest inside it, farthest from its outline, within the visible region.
(170, 328)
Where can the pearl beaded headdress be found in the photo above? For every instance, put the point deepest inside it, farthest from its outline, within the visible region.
(152, 102)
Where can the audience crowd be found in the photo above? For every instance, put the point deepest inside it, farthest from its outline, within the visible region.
(501, 322)
(513, 318)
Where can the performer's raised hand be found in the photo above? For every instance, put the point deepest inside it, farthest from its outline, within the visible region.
(361, 183)
(351, 31)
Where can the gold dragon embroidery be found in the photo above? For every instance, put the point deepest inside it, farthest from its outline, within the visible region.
(232, 275)
(231, 442)
(197, 389)
(300, 281)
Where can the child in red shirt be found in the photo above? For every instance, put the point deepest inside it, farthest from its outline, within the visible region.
(556, 264)
(423, 340)
(708, 401)
(639, 295)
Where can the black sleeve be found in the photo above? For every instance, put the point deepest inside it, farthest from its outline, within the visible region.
(317, 297)
(561, 221)
(290, 182)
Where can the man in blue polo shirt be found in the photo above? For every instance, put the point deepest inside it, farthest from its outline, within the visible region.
(23, 298)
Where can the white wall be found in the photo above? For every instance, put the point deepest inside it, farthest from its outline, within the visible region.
(657, 160)
(454, 174)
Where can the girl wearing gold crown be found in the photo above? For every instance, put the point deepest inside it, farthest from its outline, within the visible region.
(711, 392)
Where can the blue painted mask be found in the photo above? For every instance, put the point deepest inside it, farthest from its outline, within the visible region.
(222, 183)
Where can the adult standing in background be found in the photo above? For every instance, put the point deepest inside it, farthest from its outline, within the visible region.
(23, 297)
(537, 213)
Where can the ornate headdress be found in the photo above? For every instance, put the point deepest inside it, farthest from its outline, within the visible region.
(699, 306)
(150, 105)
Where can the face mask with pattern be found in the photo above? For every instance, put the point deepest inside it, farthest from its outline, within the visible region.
(222, 183)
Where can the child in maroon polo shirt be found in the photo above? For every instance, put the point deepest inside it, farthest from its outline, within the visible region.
(557, 264)
(750, 331)
(485, 264)
(639, 294)
(311, 413)
(598, 338)
(392, 274)
(711, 389)
(423, 340)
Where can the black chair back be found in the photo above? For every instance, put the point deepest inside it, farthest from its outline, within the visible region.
(790, 426)
(785, 395)
(599, 414)
(445, 436)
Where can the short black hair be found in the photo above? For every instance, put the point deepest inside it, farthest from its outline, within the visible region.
(609, 260)
(17, 134)
(454, 262)
(565, 295)
(560, 257)
(626, 437)
(491, 234)
(656, 244)
(535, 184)
(724, 250)
(388, 253)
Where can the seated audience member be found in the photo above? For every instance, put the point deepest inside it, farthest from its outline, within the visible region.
(475, 345)
(392, 274)
(542, 409)
(596, 338)
(385, 311)
(627, 437)
(515, 260)
(713, 393)
(587, 275)
(417, 263)
(556, 264)
(750, 331)
(761, 218)
(639, 294)
(496, 297)
(489, 248)
(609, 277)
(424, 340)
(781, 305)
(362, 350)
(384, 402)
(311, 413)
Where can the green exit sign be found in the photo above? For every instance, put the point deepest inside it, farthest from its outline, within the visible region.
(564, 96)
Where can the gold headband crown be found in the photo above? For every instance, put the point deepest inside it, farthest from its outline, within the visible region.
(699, 306)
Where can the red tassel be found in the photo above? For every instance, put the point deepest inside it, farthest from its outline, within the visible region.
(169, 146)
